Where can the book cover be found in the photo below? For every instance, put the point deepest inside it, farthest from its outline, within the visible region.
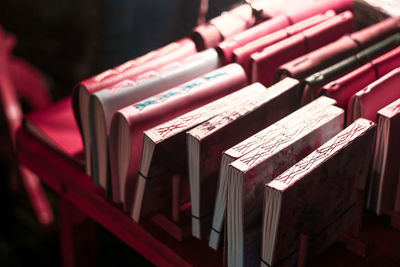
(206, 142)
(128, 70)
(348, 45)
(242, 54)
(385, 167)
(368, 101)
(314, 83)
(249, 174)
(56, 126)
(128, 124)
(316, 196)
(299, 9)
(104, 103)
(343, 88)
(164, 153)
(265, 63)
(229, 23)
(269, 134)
(264, 28)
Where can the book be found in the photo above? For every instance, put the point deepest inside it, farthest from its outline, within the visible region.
(129, 70)
(129, 123)
(229, 23)
(229, 26)
(269, 134)
(154, 186)
(313, 83)
(348, 45)
(206, 142)
(104, 103)
(269, 26)
(347, 85)
(56, 126)
(316, 197)
(368, 101)
(249, 174)
(384, 174)
(265, 63)
(242, 54)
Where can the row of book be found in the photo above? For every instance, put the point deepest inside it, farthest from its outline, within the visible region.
(251, 113)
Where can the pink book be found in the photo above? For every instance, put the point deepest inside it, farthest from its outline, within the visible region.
(384, 187)
(264, 64)
(316, 197)
(129, 70)
(229, 23)
(128, 125)
(242, 54)
(133, 68)
(344, 87)
(267, 27)
(249, 173)
(301, 67)
(366, 102)
(56, 126)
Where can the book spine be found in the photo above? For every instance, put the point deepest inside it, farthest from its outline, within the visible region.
(227, 24)
(331, 147)
(202, 114)
(266, 63)
(264, 28)
(242, 54)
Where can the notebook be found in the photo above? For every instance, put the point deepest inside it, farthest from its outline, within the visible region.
(206, 142)
(314, 82)
(348, 45)
(265, 63)
(242, 54)
(384, 176)
(128, 70)
(249, 173)
(104, 103)
(346, 86)
(153, 191)
(316, 196)
(229, 23)
(269, 134)
(128, 124)
(366, 102)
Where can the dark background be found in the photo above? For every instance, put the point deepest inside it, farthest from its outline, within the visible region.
(68, 41)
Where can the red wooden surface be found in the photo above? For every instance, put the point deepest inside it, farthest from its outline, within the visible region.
(71, 183)
(69, 180)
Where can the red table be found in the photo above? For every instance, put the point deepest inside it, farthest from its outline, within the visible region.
(80, 198)
(73, 186)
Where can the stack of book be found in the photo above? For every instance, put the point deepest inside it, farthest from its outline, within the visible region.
(242, 127)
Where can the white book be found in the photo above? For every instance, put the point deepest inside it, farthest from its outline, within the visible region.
(249, 173)
(164, 154)
(103, 104)
(384, 182)
(269, 134)
(207, 141)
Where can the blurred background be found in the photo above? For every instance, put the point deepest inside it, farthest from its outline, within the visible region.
(68, 41)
